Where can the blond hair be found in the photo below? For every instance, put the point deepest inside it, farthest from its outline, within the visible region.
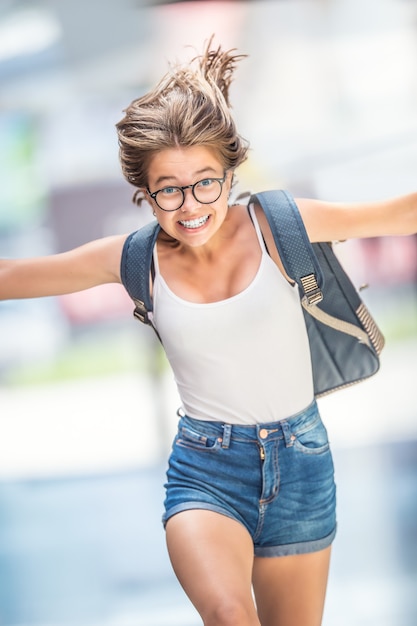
(189, 106)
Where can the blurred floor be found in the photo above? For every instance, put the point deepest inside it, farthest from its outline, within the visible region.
(89, 549)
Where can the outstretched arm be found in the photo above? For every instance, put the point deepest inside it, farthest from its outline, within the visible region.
(328, 221)
(92, 264)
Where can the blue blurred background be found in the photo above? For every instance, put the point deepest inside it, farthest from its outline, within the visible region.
(328, 100)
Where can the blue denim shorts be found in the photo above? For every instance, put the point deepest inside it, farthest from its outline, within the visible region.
(277, 479)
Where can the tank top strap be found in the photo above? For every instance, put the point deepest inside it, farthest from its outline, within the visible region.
(155, 259)
(255, 222)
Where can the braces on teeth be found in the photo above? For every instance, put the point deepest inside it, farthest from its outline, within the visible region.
(194, 223)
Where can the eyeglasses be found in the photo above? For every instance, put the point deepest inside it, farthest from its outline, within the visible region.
(204, 191)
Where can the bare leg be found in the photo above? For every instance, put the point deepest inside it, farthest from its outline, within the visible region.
(212, 556)
(290, 590)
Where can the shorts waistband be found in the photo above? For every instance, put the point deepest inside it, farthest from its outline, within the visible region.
(250, 432)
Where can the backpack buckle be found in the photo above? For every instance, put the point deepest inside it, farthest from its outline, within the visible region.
(141, 312)
(312, 291)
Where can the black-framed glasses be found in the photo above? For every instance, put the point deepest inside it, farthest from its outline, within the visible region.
(204, 191)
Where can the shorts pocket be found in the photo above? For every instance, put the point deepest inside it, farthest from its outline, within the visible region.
(189, 438)
(311, 438)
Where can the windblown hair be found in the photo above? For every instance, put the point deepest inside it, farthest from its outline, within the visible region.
(189, 106)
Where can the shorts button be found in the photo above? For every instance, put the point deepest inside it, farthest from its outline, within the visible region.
(263, 433)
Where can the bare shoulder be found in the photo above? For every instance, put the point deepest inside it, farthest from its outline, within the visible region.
(322, 221)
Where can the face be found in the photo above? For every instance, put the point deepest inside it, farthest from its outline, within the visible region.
(195, 222)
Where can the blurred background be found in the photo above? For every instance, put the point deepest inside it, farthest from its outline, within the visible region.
(328, 99)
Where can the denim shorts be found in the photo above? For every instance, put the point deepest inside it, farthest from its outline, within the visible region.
(277, 479)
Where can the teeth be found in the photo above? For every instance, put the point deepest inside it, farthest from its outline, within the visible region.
(194, 223)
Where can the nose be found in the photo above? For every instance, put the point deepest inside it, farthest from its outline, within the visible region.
(190, 202)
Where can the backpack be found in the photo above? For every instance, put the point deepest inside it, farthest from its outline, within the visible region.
(345, 342)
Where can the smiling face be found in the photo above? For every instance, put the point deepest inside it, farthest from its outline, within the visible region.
(194, 223)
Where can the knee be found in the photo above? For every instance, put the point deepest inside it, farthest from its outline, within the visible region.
(231, 613)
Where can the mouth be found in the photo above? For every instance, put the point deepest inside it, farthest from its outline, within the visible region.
(196, 223)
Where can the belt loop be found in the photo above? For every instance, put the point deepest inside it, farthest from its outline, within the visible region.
(227, 433)
(288, 436)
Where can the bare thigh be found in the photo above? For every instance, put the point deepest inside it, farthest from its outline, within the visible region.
(291, 590)
(212, 556)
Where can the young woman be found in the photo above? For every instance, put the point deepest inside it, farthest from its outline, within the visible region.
(250, 494)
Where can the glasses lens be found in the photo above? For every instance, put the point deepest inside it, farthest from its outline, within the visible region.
(170, 198)
(207, 190)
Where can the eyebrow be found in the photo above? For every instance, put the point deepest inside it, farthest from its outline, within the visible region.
(204, 170)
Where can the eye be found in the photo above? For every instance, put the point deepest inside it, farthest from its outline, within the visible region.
(169, 191)
(206, 182)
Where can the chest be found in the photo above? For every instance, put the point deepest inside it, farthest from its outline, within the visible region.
(221, 325)
(214, 277)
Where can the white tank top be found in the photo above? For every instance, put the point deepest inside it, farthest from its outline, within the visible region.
(244, 360)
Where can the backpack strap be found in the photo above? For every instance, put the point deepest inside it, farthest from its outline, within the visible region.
(301, 263)
(137, 267)
(296, 252)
